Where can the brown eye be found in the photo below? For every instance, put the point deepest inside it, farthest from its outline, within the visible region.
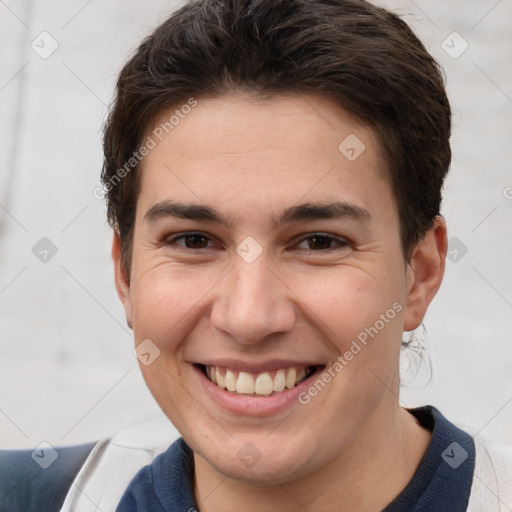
(321, 242)
(189, 240)
(196, 241)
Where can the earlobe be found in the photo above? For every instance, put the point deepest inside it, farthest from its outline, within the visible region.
(121, 280)
(425, 273)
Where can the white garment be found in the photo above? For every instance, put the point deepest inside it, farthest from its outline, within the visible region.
(492, 481)
(112, 464)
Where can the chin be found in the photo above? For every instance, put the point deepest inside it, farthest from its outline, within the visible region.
(259, 461)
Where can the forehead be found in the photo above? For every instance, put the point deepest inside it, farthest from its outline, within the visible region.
(246, 155)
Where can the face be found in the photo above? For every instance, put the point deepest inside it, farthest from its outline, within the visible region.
(267, 256)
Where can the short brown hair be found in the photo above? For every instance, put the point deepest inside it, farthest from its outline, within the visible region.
(364, 57)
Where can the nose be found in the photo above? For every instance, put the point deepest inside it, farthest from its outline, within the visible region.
(253, 302)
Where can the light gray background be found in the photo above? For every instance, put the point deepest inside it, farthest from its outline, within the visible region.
(67, 373)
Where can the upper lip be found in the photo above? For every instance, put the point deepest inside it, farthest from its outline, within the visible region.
(258, 366)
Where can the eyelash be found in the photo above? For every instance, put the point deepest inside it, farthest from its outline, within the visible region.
(340, 242)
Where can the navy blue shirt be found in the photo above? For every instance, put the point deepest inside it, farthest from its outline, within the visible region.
(442, 481)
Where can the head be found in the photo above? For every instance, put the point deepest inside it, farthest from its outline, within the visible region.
(273, 173)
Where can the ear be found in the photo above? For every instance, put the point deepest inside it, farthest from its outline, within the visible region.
(122, 282)
(425, 273)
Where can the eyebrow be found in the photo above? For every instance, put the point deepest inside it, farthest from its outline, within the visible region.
(301, 212)
(313, 211)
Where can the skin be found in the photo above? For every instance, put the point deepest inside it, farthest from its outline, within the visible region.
(352, 447)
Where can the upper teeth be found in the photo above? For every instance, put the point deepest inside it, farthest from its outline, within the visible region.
(261, 384)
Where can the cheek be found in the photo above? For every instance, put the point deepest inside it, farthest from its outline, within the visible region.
(166, 301)
(347, 303)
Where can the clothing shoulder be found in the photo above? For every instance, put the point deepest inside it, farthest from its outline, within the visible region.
(492, 481)
(82, 478)
(115, 462)
(166, 484)
(43, 475)
(140, 493)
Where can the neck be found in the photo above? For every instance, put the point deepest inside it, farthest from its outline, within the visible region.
(366, 476)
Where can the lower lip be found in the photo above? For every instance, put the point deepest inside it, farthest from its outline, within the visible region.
(254, 405)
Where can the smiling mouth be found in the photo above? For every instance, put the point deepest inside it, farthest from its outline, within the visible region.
(258, 384)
